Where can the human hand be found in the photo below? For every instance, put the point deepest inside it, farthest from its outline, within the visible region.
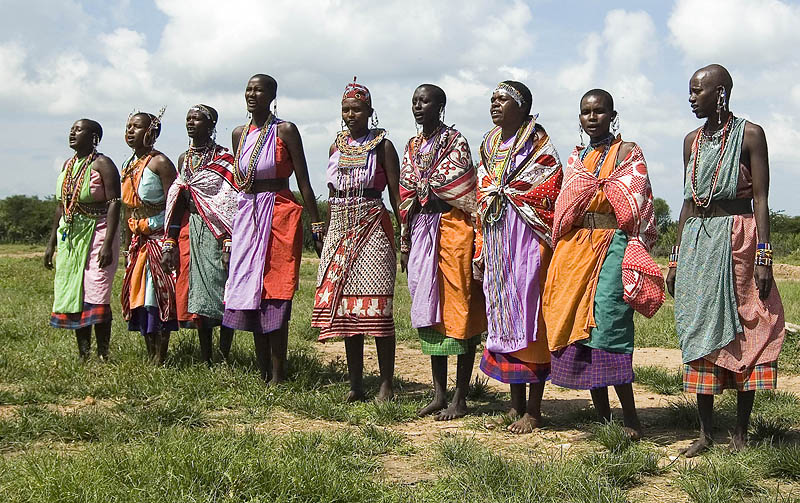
(404, 262)
(671, 281)
(763, 276)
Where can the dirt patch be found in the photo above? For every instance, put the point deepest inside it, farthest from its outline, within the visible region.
(786, 271)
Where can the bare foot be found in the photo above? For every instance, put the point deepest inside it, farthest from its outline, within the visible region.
(354, 396)
(738, 441)
(525, 424)
(455, 411)
(700, 445)
(436, 405)
(386, 392)
(634, 434)
(274, 382)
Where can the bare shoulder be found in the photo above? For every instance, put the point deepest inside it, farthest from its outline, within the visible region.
(753, 131)
(160, 163)
(626, 148)
(287, 131)
(690, 136)
(332, 149)
(237, 131)
(104, 165)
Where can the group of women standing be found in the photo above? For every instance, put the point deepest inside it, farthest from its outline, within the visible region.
(549, 261)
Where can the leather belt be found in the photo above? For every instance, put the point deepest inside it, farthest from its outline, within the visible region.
(435, 206)
(147, 211)
(599, 221)
(269, 185)
(368, 193)
(92, 209)
(723, 208)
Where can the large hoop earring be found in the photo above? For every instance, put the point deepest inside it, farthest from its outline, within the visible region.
(249, 116)
(615, 125)
(580, 133)
(375, 119)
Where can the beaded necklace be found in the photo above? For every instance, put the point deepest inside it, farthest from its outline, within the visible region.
(423, 162)
(697, 145)
(355, 156)
(245, 181)
(500, 159)
(604, 142)
(205, 154)
(133, 165)
(71, 186)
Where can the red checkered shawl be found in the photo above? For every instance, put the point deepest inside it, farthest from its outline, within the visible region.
(212, 189)
(628, 190)
(451, 177)
(532, 188)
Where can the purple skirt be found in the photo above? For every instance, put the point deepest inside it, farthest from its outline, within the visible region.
(273, 314)
(147, 320)
(510, 370)
(581, 367)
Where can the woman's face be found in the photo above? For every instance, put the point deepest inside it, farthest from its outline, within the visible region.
(80, 136)
(198, 126)
(355, 114)
(504, 110)
(703, 95)
(257, 95)
(425, 107)
(596, 116)
(136, 130)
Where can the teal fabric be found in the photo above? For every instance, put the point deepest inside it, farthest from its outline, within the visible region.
(207, 276)
(151, 191)
(706, 315)
(613, 316)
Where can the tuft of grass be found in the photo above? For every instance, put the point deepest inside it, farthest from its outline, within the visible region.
(769, 429)
(611, 436)
(782, 461)
(474, 473)
(479, 389)
(659, 380)
(719, 477)
(627, 467)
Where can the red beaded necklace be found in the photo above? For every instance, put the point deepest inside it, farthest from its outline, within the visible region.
(71, 186)
(696, 145)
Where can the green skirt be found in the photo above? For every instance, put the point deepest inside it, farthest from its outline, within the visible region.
(435, 344)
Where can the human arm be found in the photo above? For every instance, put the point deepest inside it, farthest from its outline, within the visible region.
(290, 136)
(111, 186)
(391, 166)
(236, 136)
(685, 210)
(755, 144)
(51, 243)
(172, 227)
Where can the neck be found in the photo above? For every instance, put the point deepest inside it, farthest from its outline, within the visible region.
(429, 129)
(82, 152)
(260, 117)
(594, 140)
(359, 133)
(143, 150)
(509, 131)
(712, 125)
(198, 142)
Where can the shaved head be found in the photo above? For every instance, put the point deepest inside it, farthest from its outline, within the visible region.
(717, 75)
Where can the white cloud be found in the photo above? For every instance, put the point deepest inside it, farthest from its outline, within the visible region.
(755, 32)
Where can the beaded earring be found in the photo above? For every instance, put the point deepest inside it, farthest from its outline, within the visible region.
(615, 125)
(580, 133)
(721, 102)
(418, 127)
(95, 140)
(374, 119)
(275, 107)
(441, 115)
(344, 126)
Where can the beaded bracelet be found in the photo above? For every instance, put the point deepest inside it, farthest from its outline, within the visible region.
(764, 254)
(318, 230)
(169, 245)
(226, 246)
(673, 257)
(113, 200)
(405, 246)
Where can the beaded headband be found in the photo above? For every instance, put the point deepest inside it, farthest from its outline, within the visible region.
(511, 92)
(358, 92)
(205, 111)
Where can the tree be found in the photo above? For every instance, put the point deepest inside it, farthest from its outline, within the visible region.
(26, 219)
(663, 214)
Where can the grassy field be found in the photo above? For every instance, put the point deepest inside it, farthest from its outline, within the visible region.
(126, 431)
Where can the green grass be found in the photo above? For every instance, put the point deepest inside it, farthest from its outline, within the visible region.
(659, 380)
(128, 431)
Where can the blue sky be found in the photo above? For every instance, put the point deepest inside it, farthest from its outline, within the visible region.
(60, 61)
